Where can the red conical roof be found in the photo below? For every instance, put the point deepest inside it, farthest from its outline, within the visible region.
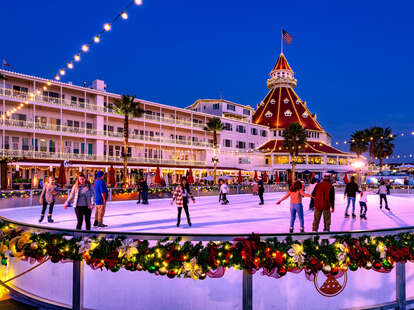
(282, 64)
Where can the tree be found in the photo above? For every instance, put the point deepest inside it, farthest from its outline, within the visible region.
(373, 135)
(214, 125)
(359, 143)
(294, 140)
(130, 109)
(384, 146)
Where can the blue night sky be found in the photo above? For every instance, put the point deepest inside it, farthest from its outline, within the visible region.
(352, 59)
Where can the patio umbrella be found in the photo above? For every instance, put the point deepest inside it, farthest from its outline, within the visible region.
(62, 175)
(157, 179)
(265, 177)
(255, 175)
(307, 172)
(111, 177)
(346, 178)
(277, 180)
(239, 178)
(190, 178)
(332, 172)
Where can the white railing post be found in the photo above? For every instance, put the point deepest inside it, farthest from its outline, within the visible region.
(247, 290)
(400, 290)
(77, 285)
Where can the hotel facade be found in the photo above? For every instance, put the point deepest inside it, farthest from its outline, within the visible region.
(44, 123)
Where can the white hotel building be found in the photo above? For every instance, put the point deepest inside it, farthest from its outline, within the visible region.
(55, 122)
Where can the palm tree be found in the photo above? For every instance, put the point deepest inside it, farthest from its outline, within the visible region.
(384, 146)
(373, 135)
(294, 140)
(358, 143)
(214, 125)
(130, 109)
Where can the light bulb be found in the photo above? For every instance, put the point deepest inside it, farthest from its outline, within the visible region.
(48, 83)
(85, 47)
(44, 88)
(70, 65)
(107, 27)
(138, 2)
(57, 77)
(96, 39)
(124, 15)
(62, 72)
(77, 57)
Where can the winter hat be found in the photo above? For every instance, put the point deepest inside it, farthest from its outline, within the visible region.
(100, 174)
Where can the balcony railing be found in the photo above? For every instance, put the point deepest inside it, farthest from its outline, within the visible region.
(97, 158)
(66, 102)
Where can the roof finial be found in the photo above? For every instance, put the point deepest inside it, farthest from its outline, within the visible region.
(281, 40)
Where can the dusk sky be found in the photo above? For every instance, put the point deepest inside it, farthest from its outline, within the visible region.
(353, 59)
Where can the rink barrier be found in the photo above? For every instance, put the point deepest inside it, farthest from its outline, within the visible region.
(400, 303)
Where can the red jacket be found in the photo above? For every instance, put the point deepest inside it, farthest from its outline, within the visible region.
(324, 194)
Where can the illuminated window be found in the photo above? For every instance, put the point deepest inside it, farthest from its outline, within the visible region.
(343, 161)
(288, 113)
(269, 114)
(273, 101)
(305, 114)
(301, 159)
(281, 159)
(315, 160)
(331, 160)
(286, 100)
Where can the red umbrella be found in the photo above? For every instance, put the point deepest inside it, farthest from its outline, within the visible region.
(277, 177)
(157, 179)
(255, 175)
(111, 176)
(265, 177)
(312, 176)
(346, 178)
(239, 178)
(62, 175)
(190, 178)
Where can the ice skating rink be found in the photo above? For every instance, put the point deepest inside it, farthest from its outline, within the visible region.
(242, 215)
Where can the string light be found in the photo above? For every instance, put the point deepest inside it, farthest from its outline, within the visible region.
(62, 72)
(85, 48)
(138, 2)
(124, 15)
(96, 39)
(107, 27)
(77, 58)
(70, 65)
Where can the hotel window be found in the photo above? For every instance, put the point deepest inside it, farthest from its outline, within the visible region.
(343, 161)
(228, 127)
(6, 142)
(251, 145)
(231, 107)
(274, 133)
(82, 148)
(34, 144)
(246, 111)
(43, 147)
(119, 130)
(241, 145)
(268, 160)
(52, 146)
(75, 147)
(315, 160)
(281, 159)
(301, 159)
(111, 150)
(76, 124)
(110, 128)
(241, 129)
(70, 123)
(263, 133)
(117, 151)
(331, 160)
(216, 106)
(68, 147)
(25, 144)
(15, 143)
(227, 143)
(254, 131)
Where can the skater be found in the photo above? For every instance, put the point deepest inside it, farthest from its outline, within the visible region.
(224, 189)
(48, 196)
(260, 190)
(101, 196)
(82, 197)
(324, 194)
(296, 193)
(139, 190)
(363, 202)
(383, 191)
(350, 191)
(311, 187)
(181, 194)
(144, 191)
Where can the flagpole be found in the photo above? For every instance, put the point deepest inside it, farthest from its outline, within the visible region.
(281, 40)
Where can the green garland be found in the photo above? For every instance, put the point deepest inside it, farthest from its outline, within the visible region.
(198, 260)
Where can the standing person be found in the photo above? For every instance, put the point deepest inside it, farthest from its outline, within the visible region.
(324, 194)
(101, 196)
(260, 189)
(139, 190)
(363, 202)
(82, 197)
(181, 194)
(48, 196)
(311, 187)
(144, 191)
(224, 189)
(383, 191)
(296, 193)
(350, 191)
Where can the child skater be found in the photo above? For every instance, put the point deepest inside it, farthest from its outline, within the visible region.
(224, 189)
(363, 202)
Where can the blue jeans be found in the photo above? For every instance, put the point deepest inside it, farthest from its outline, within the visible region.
(353, 204)
(296, 208)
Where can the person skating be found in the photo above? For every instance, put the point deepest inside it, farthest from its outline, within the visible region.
(363, 202)
(311, 187)
(260, 190)
(224, 189)
(296, 193)
(181, 195)
(383, 191)
(139, 190)
(350, 192)
(82, 197)
(324, 194)
(101, 196)
(48, 196)
(144, 191)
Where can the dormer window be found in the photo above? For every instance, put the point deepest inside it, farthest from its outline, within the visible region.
(273, 101)
(298, 101)
(305, 114)
(286, 100)
(288, 113)
(269, 114)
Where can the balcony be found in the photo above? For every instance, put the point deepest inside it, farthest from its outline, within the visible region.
(97, 158)
(67, 103)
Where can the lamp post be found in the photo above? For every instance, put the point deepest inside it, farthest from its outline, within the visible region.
(358, 165)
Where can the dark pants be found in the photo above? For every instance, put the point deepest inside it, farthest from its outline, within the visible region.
(317, 218)
(139, 196)
(224, 198)
(83, 212)
(261, 197)
(312, 204)
(45, 207)
(187, 214)
(144, 196)
(363, 206)
(383, 197)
